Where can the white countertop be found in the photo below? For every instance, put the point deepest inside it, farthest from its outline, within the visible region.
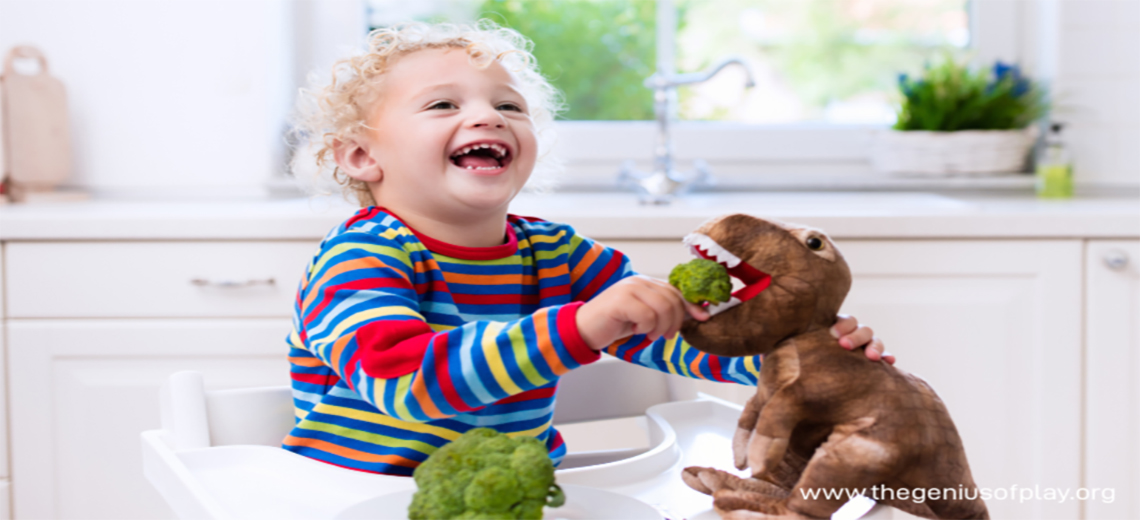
(601, 216)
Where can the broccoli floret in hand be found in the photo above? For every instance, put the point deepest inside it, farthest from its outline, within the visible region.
(485, 474)
(702, 280)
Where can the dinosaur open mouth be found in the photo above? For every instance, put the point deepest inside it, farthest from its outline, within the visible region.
(754, 280)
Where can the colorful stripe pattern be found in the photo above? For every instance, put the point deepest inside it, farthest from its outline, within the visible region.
(401, 343)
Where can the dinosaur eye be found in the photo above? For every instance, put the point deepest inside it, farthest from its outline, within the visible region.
(814, 243)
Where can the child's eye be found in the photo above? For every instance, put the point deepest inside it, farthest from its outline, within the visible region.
(442, 105)
(510, 106)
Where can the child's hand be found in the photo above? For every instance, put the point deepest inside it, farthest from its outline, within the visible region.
(851, 335)
(635, 305)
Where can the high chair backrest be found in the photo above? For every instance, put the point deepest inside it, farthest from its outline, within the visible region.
(607, 389)
(196, 418)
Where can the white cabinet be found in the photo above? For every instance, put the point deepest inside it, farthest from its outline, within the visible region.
(83, 390)
(994, 326)
(93, 330)
(155, 279)
(1112, 384)
(5, 484)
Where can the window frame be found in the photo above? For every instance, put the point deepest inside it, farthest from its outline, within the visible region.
(798, 155)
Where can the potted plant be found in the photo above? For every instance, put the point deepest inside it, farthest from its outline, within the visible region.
(957, 121)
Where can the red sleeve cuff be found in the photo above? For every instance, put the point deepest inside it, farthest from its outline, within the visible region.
(388, 349)
(567, 323)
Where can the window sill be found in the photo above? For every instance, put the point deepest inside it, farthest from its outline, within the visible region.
(790, 180)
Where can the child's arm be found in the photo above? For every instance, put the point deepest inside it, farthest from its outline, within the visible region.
(361, 317)
(636, 318)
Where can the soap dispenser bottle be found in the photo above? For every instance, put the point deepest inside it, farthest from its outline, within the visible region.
(1054, 166)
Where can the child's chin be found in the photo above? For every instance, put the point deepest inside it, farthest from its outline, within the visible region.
(487, 197)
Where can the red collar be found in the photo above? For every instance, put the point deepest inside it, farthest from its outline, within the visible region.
(463, 252)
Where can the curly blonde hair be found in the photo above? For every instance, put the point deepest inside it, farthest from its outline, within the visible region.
(338, 110)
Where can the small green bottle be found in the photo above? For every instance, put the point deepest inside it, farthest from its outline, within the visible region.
(1054, 167)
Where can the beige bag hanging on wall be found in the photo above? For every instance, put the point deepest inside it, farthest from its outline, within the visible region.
(36, 134)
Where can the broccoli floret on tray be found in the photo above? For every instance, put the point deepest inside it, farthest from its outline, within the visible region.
(702, 280)
(485, 474)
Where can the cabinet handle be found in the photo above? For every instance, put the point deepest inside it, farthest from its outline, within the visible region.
(232, 284)
(1116, 260)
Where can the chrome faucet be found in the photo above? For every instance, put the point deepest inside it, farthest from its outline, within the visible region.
(664, 183)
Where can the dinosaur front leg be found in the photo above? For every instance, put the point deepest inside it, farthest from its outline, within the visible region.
(746, 425)
(849, 463)
(769, 441)
(772, 415)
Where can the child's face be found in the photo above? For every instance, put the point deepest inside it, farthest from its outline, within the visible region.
(449, 139)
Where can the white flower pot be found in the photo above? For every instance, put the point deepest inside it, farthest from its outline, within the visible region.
(947, 154)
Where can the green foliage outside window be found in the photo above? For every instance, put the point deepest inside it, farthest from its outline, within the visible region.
(598, 53)
(810, 55)
(823, 51)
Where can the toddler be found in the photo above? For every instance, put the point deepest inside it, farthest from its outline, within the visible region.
(432, 310)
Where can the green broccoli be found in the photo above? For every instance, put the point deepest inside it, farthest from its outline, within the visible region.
(485, 475)
(702, 280)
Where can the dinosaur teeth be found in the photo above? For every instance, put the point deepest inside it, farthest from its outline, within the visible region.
(702, 242)
(713, 310)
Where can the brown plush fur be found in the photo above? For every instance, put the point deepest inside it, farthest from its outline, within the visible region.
(823, 417)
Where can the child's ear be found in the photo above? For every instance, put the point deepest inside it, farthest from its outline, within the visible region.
(354, 158)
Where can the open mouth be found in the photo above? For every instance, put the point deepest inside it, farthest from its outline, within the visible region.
(754, 280)
(482, 157)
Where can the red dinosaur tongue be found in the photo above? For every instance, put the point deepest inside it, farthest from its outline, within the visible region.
(476, 161)
(755, 280)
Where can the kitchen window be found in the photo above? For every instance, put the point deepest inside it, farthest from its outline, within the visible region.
(825, 73)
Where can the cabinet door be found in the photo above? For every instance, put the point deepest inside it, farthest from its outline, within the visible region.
(994, 327)
(83, 390)
(155, 279)
(1112, 428)
(5, 488)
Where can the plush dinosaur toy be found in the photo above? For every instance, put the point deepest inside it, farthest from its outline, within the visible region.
(823, 417)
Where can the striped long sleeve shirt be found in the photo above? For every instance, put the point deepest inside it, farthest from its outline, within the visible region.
(401, 343)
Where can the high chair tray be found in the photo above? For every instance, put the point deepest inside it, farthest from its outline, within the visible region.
(582, 503)
(266, 482)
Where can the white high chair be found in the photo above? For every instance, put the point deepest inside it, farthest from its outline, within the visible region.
(218, 454)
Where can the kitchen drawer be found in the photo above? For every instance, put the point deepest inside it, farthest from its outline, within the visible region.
(154, 279)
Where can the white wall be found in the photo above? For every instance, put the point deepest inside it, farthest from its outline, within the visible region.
(1096, 85)
(166, 96)
(190, 96)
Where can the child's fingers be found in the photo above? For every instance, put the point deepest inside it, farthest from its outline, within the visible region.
(642, 318)
(682, 307)
(642, 308)
(860, 337)
(844, 325)
(876, 351)
(669, 315)
(696, 311)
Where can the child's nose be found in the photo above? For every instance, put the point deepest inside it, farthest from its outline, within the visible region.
(487, 117)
